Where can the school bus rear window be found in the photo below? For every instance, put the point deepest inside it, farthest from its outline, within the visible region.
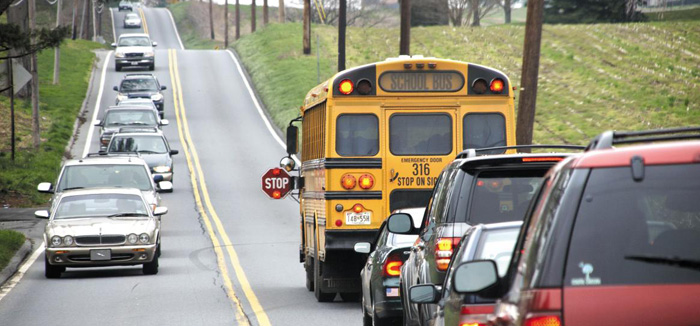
(357, 135)
(420, 134)
(484, 130)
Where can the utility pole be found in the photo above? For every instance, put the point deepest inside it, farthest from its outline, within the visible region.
(211, 19)
(36, 137)
(226, 25)
(238, 21)
(93, 8)
(528, 81)
(265, 16)
(280, 11)
(307, 27)
(252, 17)
(57, 50)
(12, 106)
(405, 39)
(342, 22)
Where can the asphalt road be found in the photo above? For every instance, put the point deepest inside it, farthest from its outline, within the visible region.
(230, 255)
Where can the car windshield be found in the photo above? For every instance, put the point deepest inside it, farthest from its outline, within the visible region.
(637, 231)
(138, 85)
(134, 41)
(501, 196)
(100, 205)
(497, 245)
(105, 175)
(130, 118)
(144, 144)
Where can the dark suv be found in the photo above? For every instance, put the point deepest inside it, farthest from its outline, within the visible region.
(613, 238)
(471, 190)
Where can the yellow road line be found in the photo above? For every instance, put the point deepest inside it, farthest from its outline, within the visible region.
(260, 314)
(221, 260)
(143, 21)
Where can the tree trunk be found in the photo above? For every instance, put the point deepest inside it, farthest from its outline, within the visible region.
(36, 136)
(226, 24)
(531, 64)
(507, 10)
(83, 21)
(476, 21)
(265, 16)
(238, 21)
(307, 27)
(19, 15)
(74, 27)
(342, 22)
(252, 17)
(57, 50)
(405, 39)
(211, 19)
(280, 11)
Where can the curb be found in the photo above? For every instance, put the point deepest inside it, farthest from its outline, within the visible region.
(16, 261)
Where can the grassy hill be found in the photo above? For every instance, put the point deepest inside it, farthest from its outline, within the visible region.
(592, 77)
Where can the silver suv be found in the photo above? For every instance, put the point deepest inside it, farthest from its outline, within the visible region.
(134, 50)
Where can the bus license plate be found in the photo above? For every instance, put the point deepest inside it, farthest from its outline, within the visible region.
(352, 218)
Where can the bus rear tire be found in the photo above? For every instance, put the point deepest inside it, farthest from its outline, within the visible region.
(309, 267)
(320, 295)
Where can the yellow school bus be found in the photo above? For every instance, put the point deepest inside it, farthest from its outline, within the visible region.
(374, 139)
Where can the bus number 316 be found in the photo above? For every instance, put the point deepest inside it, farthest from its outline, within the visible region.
(421, 169)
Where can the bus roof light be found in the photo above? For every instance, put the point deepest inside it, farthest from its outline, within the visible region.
(432, 65)
(479, 86)
(420, 65)
(364, 87)
(346, 87)
(497, 86)
(407, 65)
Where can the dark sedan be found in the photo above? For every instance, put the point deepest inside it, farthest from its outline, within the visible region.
(381, 303)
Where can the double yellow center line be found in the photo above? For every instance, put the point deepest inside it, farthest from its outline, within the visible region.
(215, 229)
(143, 21)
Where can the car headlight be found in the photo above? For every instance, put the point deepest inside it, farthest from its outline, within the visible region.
(161, 169)
(132, 238)
(56, 241)
(149, 54)
(121, 97)
(143, 238)
(119, 55)
(68, 240)
(156, 97)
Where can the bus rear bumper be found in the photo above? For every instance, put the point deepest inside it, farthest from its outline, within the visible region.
(346, 239)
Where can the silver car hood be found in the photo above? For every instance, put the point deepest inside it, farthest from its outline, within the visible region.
(101, 225)
(131, 49)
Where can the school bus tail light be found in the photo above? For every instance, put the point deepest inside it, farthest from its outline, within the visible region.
(479, 86)
(366, 181)
(364, 87)
(497, 86)
(346, 86)
(358, 208)
(348, 181)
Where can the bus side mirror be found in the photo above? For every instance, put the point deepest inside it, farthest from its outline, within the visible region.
(292, 139)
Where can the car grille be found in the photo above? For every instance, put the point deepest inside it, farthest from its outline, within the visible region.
(87, 257)
(90, 240)
(133, 55)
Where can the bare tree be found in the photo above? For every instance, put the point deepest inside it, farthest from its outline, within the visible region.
(457, 9)
(265, 16)
(470, 12)
(366, 16)
(280, 11)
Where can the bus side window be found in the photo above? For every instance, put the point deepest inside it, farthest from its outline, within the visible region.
(484, 130)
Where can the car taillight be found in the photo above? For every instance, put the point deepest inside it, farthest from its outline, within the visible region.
(475, 315)
(366, 181)
(392, 265)
(348, 181)
(443, 252)
(543, 320)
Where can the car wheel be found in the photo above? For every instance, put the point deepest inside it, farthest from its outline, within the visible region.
(152, 267)
(152, 67)
(350, 296)
(309, 267)
(376, 321)
(320, 295)
(51, 271)
(158, 250)
(117, 67)
(366, 318)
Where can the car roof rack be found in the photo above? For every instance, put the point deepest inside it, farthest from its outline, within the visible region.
(107, 154)
(140, 74)
(125, 130)
(473, 152)
(610, 138)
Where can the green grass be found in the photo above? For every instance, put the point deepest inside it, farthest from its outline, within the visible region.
(10, 242)
(592, 77)
(59, 107)
(674, 15)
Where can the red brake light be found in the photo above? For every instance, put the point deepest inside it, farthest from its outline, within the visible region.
(366, 181)
(348, 181)
(443, 252)
(542, 159)
(497, 85)
(338, 223)
(543, 321)
(392, 265)
(346, 87)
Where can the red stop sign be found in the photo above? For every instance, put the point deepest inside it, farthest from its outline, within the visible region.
(276, 183)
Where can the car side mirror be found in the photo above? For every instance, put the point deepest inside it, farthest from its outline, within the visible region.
(45, 187)
(164, 122)
(154, 43)
(475, 277)
(98, 123)
(401, 223)
(424, 293)
(41, 214)
(165, 186)
(162, 88)
(174, 152)
(292, 139)
(114, 45)
(115, 88)
(363, 247)
(160, 210)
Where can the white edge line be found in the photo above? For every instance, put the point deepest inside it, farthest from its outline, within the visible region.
(114, 31)
(257, 106)
(21, 271)
(172, 20)
(91, 129)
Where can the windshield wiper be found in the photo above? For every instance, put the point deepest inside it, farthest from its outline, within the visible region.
(71, 188)
(673, 261)
(127, 214)
(149, 152)
(138, 123)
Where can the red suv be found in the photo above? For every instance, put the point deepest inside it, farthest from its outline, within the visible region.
(612, 238)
